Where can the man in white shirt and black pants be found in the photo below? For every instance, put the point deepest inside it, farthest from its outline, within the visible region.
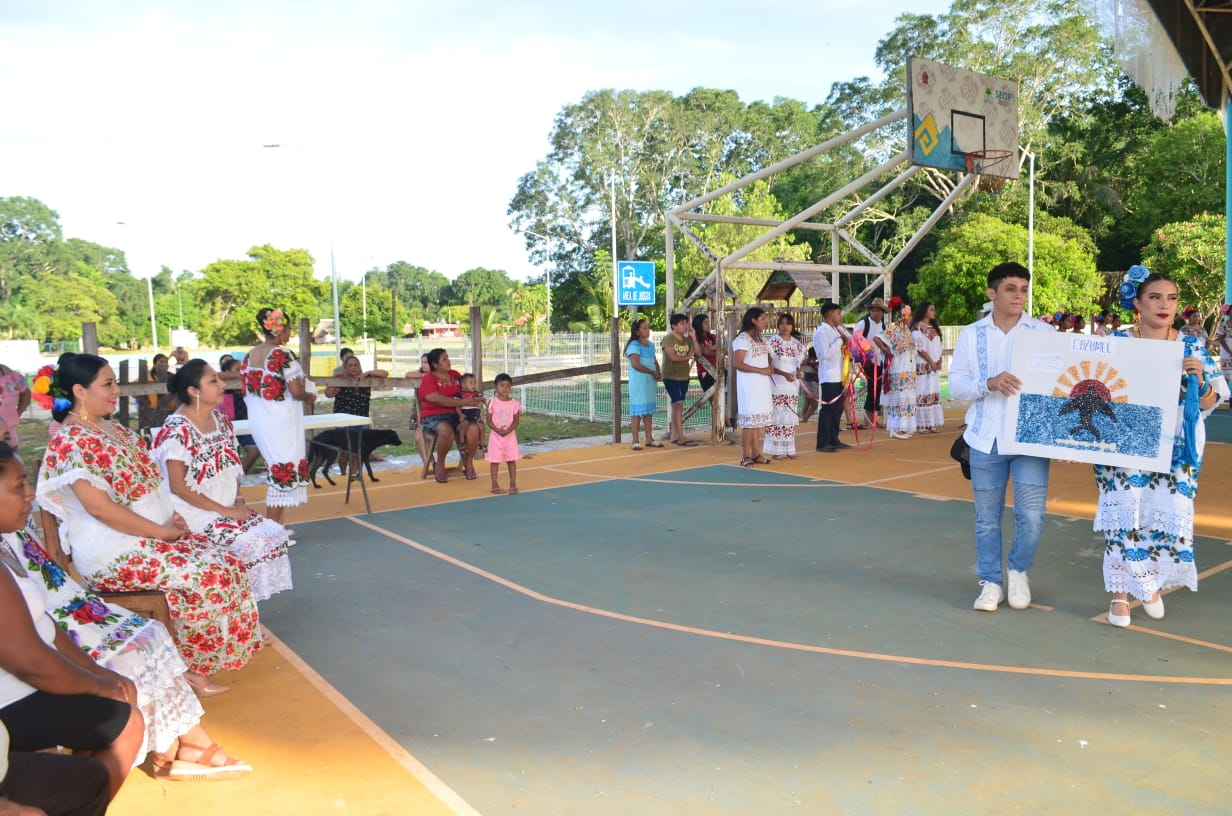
(979, 376)
(828, 343)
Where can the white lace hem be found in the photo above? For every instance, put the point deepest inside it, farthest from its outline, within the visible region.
(150, 659)
(1144, 582)
(1178, 521)
(282, 497)
(263, 551)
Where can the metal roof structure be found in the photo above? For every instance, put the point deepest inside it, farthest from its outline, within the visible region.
(1201, 30)
(783, 283)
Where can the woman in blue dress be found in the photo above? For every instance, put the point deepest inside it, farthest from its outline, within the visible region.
(644, 376)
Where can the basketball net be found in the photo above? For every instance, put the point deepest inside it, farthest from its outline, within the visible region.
(1144, 51)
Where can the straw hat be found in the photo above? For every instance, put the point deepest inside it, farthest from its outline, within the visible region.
(878, 303)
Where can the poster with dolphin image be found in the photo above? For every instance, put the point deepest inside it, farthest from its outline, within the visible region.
(1103, 400)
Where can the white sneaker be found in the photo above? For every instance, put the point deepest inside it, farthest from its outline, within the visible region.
(990, 597)
(1020, 590)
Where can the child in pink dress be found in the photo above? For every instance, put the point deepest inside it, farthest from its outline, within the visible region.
(503, 414)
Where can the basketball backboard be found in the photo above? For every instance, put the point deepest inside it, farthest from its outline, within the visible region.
(957, 113)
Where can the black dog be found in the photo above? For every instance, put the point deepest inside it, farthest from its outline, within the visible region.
(327, 444)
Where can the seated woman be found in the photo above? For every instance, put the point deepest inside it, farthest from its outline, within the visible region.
(438, 400)
(353, 399)
(115, 641)
(50, 692)
(154, 409)
(202, 463)
(117, 521)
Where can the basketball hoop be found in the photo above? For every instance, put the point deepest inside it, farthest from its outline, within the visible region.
(982, 161)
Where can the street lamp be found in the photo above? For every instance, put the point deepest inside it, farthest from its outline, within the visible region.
(547, 271)
(1030, 233)
(333, 266)
(149, 288)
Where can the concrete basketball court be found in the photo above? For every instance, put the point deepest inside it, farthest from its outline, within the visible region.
(663, 632)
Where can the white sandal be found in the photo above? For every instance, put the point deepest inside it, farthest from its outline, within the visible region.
(1118, 620)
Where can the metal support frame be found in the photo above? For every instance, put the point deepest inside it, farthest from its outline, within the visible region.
(678, 218)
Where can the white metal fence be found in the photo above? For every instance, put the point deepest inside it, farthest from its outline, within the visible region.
(585, 397)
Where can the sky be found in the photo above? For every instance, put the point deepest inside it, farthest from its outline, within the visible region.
(403, 125)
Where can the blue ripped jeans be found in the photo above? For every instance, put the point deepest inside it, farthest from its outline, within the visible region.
(990, 473)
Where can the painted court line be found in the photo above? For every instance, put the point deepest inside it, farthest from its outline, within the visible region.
(813, 483)
(780, 644)
(447, 795)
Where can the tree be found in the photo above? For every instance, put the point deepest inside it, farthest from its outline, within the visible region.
(28, 219)
(481, 287)
(66, 300)
(1192, 253)
(417, 288)
(232, 291)
(1178, 174)
(955, 276)
(379, 311)
(1103, 162)
(755, 201)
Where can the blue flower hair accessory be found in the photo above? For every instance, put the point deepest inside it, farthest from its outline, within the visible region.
(1134, 277)
(61, 404)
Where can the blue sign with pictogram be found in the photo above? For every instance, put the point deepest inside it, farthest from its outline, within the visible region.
(635, 283)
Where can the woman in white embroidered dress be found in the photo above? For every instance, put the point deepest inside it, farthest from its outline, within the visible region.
(119, 641)
(786, 357)
(203, 464)
(926, 336)
(117, 522)
(275, 389)
(751, 359)
(899, 399)
(1148, 518)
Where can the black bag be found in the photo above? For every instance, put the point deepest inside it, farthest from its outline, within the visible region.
(960, 452)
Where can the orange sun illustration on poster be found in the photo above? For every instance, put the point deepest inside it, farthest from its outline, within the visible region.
(1090, 387)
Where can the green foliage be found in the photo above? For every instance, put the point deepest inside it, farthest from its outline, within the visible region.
(231, 292)
(380, 306)
(1193, 254)
(755, 201)
(481, 287)
(66, 300)
(647, 151)
(955, 276)
(28, 219)
(1117, 170)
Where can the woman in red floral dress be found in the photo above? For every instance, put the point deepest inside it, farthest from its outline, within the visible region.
(117, 522)
(274, 389)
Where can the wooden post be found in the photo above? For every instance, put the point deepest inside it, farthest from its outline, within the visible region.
(477, 343)
(123, 414)
(727, 372)
(89, 338)
(305, 354)
(617, 409)
(143, 375)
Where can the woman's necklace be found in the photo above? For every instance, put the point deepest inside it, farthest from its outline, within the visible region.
(110, 433)
(1168, 334)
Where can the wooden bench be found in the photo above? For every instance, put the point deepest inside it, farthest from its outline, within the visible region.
(148, 603)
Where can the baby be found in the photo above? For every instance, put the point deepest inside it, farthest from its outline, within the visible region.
(471, 414)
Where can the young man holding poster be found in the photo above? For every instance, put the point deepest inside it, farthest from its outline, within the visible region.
(979, 376)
